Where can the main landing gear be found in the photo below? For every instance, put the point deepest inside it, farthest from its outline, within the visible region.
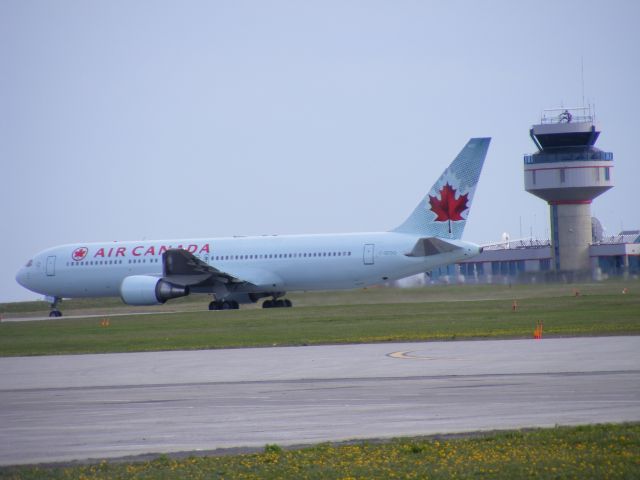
(277, 303)
(224, 305)
(55, 313)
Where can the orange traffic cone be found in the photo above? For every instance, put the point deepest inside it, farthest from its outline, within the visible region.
(537, 333)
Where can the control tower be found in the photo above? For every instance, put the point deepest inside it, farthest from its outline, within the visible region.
(568, 172)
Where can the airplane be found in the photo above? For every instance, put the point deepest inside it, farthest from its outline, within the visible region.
(242, 270)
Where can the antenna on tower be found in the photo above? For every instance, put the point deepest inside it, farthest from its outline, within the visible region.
(582, 77)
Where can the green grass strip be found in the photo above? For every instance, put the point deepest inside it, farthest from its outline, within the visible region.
(599, 451)
(567, 315)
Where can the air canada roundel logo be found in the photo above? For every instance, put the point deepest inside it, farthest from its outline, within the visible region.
(79, 253)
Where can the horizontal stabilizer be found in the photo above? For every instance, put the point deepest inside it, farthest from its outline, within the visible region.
(425, 247)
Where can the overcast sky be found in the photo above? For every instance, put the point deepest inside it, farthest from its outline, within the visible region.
(126, 120)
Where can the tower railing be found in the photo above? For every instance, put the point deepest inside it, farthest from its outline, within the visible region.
(567, 157)
(567, 115)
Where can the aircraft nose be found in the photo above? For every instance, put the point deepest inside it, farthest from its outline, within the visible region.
(22, 277)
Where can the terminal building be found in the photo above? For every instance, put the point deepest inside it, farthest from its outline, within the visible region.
(531, 261)
(568, 172)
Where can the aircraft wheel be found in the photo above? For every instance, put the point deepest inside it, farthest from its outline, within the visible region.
(214, 306)
(287, 303)
(234, 305)
(279, 303)
(55, 314)
(267, 304)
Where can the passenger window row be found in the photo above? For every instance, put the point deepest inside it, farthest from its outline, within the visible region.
(217, 257)
(111, 262)
(94, 262)
(280, 255)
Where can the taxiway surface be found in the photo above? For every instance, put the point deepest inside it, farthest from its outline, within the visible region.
(60, 408)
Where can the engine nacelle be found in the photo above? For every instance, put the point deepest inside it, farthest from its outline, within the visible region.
(148, 290)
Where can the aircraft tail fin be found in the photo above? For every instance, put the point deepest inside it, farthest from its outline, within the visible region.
(444, 211)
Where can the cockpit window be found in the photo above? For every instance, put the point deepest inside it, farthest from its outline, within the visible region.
(29, 263)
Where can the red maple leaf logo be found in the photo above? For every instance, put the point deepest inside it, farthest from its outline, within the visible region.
(448, 207)
(79, 253)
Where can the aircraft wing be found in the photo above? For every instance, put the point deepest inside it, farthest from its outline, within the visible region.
(425, 247)
(184, 268)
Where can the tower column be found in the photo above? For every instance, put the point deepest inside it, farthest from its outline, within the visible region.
(571, 233)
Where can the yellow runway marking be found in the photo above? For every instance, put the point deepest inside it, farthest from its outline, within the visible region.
(409, 355)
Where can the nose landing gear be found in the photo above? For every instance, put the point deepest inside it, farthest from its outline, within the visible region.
(54, 312)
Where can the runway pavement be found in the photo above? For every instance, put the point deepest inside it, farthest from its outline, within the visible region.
(61, 408)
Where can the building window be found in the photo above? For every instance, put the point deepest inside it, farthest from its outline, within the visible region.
(504, 267)
(607, 175)
(562, 175)
(533, 176)
(495, 268)
(596, 171)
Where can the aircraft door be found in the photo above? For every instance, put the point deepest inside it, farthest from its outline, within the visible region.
(368, 254)
(51, 266)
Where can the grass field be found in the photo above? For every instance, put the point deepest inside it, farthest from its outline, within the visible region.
(599, 451)
(373, 315)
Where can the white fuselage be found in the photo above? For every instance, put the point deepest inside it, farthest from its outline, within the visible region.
(268, 263)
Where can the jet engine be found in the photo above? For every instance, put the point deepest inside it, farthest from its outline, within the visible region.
(148, 290)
